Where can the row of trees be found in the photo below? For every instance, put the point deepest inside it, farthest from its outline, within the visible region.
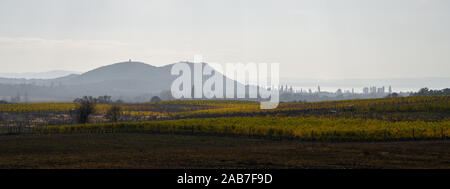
(87, 104)
(101, 99)
(108, 100)
(429, 92)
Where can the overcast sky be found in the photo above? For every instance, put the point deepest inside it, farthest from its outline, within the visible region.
(310, 39)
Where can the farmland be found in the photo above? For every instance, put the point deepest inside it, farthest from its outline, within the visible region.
(410, 118)
(398, 128)
(135, 150)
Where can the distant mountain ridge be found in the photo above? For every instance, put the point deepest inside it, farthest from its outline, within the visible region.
(138, 82)
(38, 75)
(124, 80)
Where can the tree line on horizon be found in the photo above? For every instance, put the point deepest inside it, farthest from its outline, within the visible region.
(430, 92)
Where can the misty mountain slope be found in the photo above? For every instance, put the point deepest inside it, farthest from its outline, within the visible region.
(38, 75)
(118, 71)
(124, 79)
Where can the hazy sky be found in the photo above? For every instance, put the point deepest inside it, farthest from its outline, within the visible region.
(310, 39)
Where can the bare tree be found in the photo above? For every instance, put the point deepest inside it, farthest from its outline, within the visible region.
(114, 113)
(104, 99)
(85, 108)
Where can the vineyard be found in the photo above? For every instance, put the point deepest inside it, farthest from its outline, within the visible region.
(310, 128)
(409, 118)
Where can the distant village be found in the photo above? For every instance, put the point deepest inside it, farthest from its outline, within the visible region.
(289, 94)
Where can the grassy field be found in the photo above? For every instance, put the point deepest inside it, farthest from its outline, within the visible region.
(184, 151)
